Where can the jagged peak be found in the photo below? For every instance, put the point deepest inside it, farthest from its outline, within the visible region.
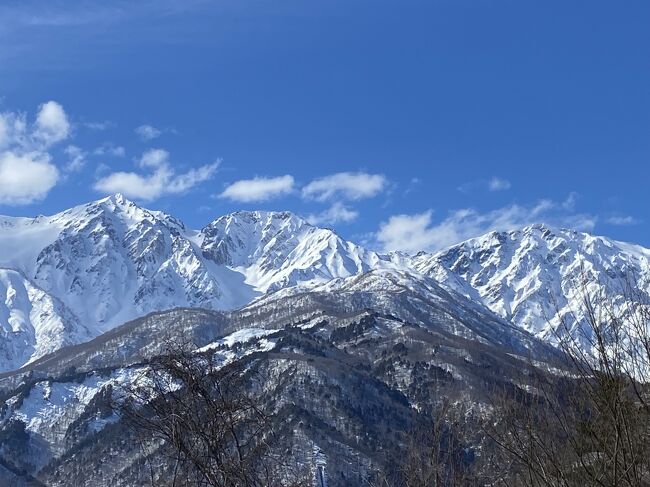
(260, 216)
(545, 230)
(537, 226)
(117, 199)
(119, 205)
(247, 225)
(112, 203)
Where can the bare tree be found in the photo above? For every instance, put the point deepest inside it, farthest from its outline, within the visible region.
(589, 425)
(207, 421)
(434, 453)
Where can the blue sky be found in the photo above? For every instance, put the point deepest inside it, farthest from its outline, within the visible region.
(409, 124)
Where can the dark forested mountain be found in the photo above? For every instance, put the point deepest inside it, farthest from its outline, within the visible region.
(346, 367)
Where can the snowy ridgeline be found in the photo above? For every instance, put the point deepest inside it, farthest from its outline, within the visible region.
(70, 277)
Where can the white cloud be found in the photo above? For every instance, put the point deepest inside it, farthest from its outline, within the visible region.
(258, 189)
(163, 180)
(14, 131)
(413, 233)
(185, 182)
(25, 178)
(99, 126)
(570, 202)
(346, 185)
(409, 233)
(76, 158)
(134, 185)
(51, 123)
(148, 132)
(337, 213)
(622, 220)
(154, 158)
(50, 127)
(26, 170)
(498, 184)
(110, 149)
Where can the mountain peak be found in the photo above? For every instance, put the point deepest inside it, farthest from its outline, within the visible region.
(530, 275)
(115, 201)
(260, 216)
(545, 229)
(538, 226)
(497, 237)
(118, 199)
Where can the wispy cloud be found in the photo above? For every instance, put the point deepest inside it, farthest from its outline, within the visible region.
(48, 34)
(569, 203)
(345, 185)
(258, 189)
(110, 149)
(148, 132)
(98, 126)
(622, 220)
(498, 184)
(30, 13)
(493, 184)
(337, 213)
(76, 158)
(416, 232)
(160, 181)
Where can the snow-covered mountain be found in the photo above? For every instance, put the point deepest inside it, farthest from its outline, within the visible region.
(346, 337)
(74, 275)
(538, 276)
(102, 264)
(274, 250)
(33, 322)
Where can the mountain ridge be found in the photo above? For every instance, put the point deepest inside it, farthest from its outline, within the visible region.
(538, 276)
(110, 260)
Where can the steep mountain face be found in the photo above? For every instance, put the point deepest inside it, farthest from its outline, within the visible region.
(74, 275)
(110, 261)
(31, 318)
(276, 250)
(102, 264)
(538, 277)
(342, 375)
